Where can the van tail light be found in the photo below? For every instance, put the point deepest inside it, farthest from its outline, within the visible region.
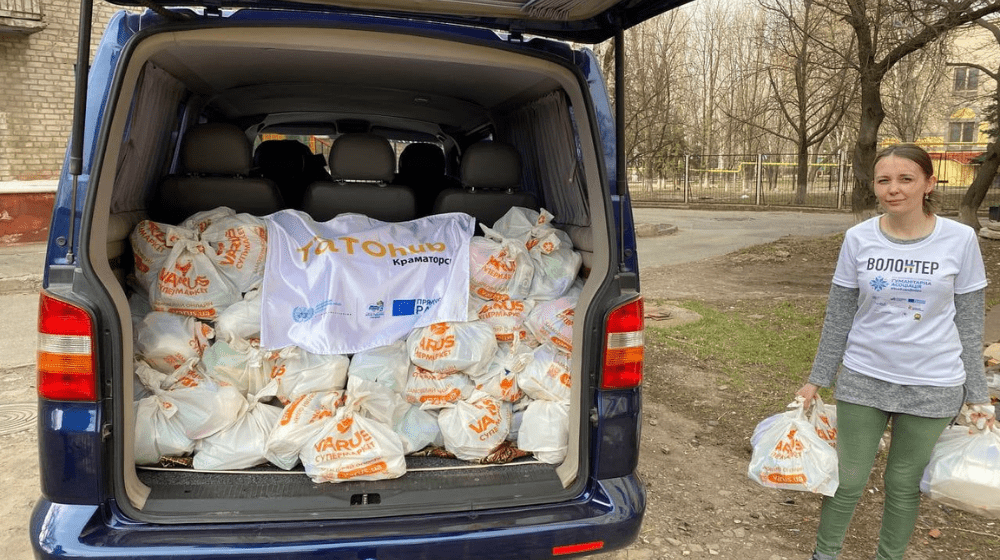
(66, 368)
(624, 349)
(577, 548)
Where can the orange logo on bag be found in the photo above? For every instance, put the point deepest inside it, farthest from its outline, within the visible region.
(505, 265)
(362, 471)
(345, 424)
(565, 379)
(432, 345)
(330, 443)
(482, 424)
(790, 446)
(290, 410)
(450, 396)
(438, 328)
(277, 371)
(531, 244)
(140, 264)
(320, 414)
(507, 384)
(781, 478)
(190, 379)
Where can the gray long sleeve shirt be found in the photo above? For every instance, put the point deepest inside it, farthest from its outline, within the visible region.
(918, 400)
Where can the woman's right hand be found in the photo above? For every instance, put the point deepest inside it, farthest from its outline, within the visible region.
(808, 392)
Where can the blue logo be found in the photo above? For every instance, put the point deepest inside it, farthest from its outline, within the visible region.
(401, 307)
(376, 310)
(303, 314)
(878, 283)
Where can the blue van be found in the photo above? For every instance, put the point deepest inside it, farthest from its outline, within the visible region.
(262, 105)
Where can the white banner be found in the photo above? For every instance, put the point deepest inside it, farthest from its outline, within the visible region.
(355, 283)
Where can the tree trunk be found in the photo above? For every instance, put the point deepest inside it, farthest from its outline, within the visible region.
(968, 210)
(802, 174)
(863, 199)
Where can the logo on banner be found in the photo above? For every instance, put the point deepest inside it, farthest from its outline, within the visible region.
(401, 307)
(375, 310)
(302, 314)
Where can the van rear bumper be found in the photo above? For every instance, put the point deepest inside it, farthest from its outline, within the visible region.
(610, 512)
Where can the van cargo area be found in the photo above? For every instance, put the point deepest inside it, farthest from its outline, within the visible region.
(327, 80)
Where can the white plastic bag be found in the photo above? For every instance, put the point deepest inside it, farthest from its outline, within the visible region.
(556, 264)
(547, 376)
(240, 322)
(151, 245)
(353, 446)
(544, 431)
(157, 432)
(298, 372)
(506, 317)
(964, 471)
(204, 405)
(430, 390)
(499, 268)
(551, 322)
(790, 455)
(452, 347)
(199, 221)
(500, 380)
(417, 429)
(241, 366)
(387, 365)
(243, 444)
(189, 283)
(824, 418)
(166, 340)
(473, 428)
(300, 421)
(239, 244)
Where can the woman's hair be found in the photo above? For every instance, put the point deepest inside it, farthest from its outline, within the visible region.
(916, 154)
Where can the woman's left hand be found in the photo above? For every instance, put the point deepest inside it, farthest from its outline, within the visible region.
(981, 416)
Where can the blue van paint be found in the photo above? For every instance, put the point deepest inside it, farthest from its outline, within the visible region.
(78, 517)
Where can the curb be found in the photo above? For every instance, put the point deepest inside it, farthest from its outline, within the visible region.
(26, 283)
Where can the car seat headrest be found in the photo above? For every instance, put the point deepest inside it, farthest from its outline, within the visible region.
(422, 161)
(491, 165)
(362, 157)
(216, 148)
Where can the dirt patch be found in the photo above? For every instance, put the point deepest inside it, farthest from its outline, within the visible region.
(695, 440)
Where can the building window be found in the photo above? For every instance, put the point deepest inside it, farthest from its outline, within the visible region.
(966, 79)
(962, 132)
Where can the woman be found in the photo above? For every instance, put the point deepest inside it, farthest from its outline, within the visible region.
(903, 336)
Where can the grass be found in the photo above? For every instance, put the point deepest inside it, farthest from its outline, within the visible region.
(752, 343)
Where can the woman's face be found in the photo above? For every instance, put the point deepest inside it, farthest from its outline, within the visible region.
(900, 186)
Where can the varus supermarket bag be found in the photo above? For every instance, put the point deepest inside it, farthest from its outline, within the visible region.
(550, 248)
(499, 268)
(387, 365)
(547, 376)
(157, 433)
(204, 405)
(240, 364)
(243, 444)
(506, 317)
(789, 454)
(298, 371)
(300, 421)
(352, 446)
(551, 322)
(430, 389)
(239, 249)
(151, 245)
(824, 418)
(240, 322)
(473, 428)
(964, 470)
(189, 283)
(354, 283)
(167, 340)
(452, 347)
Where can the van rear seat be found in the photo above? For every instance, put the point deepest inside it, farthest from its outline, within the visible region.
(215, 158)
(491, 175)
(362, 166)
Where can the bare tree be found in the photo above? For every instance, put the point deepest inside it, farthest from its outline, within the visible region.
(886, 32)
(812, 87)
(912, 91)
(968, 209)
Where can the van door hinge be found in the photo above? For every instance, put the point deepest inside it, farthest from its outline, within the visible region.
(515, 34)
(594, 416)
(105, 432)
(212, 8)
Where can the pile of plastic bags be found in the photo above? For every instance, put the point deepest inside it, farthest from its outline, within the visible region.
(204, 386)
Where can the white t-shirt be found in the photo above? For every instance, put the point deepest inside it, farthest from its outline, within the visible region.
(904, 331)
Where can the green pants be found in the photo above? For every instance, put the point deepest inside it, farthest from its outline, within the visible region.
(859, 429)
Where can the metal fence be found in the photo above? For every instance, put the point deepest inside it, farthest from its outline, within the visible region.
(771, 180)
